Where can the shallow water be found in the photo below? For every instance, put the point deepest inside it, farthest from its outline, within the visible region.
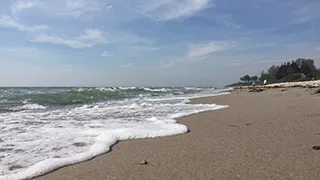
(46, 128)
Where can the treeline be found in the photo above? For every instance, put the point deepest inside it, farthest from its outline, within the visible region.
(298, 70)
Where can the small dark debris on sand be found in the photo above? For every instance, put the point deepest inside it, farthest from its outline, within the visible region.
(317, 91)
(256, 90)
(144, 162)
(248, 124)
(316, 147)
(282, 90)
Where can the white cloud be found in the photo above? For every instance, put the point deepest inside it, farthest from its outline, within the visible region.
(226, 19)
(92, 35)
(165, 10)
(197, 52)
(301, 20)
(106, 54)
(61, 41)
(78, 8)
(127, 38)
(200, 50)
(304, 14)
(108, 6)
(142, 48)
(9, 22)
(231, 24)
(22, 5)
(89, 39)
(75, 4)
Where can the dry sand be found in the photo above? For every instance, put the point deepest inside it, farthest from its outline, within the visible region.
(266, 135)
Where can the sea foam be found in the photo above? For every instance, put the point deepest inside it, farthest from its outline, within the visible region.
(41, 141)
(28, 107)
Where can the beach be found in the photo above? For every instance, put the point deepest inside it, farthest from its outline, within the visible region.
(261, 135)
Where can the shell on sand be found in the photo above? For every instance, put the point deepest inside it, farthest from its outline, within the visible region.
(144, 162)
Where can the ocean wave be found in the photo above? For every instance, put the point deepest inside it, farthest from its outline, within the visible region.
(193, 88)
(74, 96)
(146, 89)
(102, 144)
(70, 97)
(28, 107)
(39, 138)
(156, 90)
(69, 136)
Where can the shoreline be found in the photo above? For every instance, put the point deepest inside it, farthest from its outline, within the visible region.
(52, 164)
(123, 161)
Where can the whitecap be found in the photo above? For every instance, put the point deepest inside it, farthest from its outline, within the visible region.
(28, 107)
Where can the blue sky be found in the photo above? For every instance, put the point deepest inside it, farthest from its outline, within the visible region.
(151, 42)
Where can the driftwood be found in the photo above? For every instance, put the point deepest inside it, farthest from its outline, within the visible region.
(256, 90)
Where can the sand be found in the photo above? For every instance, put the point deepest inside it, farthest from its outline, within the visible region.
(265, 135)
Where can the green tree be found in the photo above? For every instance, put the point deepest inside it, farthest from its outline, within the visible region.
(289, 71)
(254, 78)
(272, 71)
(246, 78)
(264, 76)
(282, 72)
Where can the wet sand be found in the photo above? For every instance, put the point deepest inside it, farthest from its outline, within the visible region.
(263, 135)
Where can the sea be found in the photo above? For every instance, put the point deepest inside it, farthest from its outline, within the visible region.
(42, 129)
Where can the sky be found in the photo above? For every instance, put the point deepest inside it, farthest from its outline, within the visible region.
(151, 42)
